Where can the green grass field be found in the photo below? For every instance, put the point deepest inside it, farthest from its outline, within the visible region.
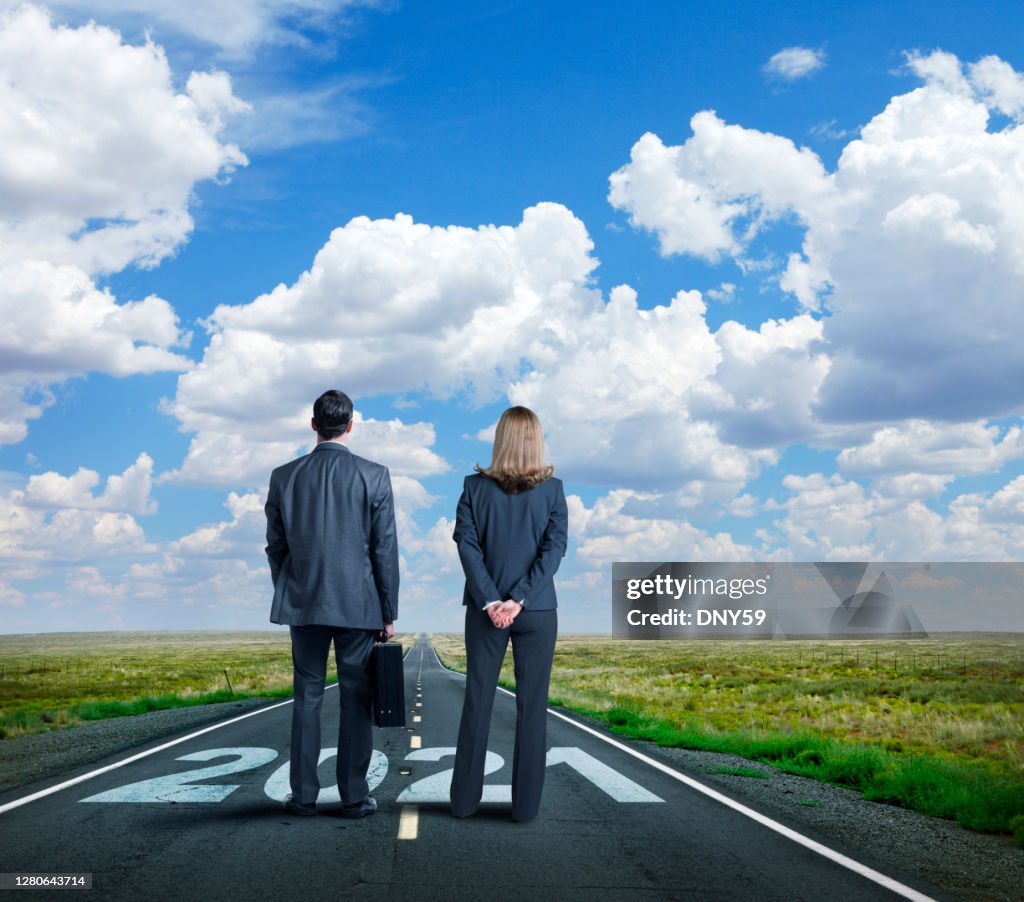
(932, 724)
(55, 680)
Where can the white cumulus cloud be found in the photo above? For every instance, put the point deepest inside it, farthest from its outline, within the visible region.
(60, 519)
(128, 492)
(628, 396)
(914, 244)
(99, 155)
(794, 63)
(919, 446)
(833, 518)
(236, 27)
(229, 451)
(613, 529)
(387, 306)
(98, 152)
(711, 195)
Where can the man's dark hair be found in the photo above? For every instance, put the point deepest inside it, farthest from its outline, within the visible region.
(331, 413)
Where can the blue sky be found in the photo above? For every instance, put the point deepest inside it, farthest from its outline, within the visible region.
(759, 270)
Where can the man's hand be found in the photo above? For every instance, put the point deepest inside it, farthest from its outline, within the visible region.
(388, 632)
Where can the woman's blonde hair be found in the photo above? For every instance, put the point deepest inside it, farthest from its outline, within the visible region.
(517, 461)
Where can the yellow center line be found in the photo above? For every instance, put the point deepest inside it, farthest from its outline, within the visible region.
(409, 822)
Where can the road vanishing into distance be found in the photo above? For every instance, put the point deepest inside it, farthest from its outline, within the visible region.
(199, 817)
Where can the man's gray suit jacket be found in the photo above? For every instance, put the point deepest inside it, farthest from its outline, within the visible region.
(331, 541)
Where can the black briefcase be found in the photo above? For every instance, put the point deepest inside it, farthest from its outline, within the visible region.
(388, 681)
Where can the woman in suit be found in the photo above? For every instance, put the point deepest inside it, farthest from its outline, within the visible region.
(511, 528)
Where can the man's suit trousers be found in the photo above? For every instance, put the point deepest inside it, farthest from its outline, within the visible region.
(533, 647)
(311, 646)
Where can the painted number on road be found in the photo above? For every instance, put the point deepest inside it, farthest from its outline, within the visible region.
(181, 787)
(278, 786)
(435, 787)
(176, 787)
(620, 788)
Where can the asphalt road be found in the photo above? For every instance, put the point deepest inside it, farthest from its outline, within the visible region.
(200, 819)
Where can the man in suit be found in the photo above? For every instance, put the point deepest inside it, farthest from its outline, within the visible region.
(333, 555)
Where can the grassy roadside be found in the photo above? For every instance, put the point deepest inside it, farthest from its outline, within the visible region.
(52, 681)
(57, 680)
(947, 741)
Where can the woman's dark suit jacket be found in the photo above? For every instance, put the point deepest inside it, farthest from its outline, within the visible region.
(511, 544)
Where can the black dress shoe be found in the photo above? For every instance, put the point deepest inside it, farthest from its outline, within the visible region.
(360, 809)
(293, 807)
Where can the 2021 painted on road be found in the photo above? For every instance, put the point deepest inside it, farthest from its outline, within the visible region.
(180, 787)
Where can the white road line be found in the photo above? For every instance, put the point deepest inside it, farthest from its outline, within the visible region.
(415, 742)
(409, 822)
(42, 793)
(871, 874)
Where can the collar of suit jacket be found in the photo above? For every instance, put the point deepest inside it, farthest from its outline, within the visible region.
(332, 446)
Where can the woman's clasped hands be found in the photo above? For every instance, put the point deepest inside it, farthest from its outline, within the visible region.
(503, 613)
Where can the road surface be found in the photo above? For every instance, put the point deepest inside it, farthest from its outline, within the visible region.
(199, 818)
